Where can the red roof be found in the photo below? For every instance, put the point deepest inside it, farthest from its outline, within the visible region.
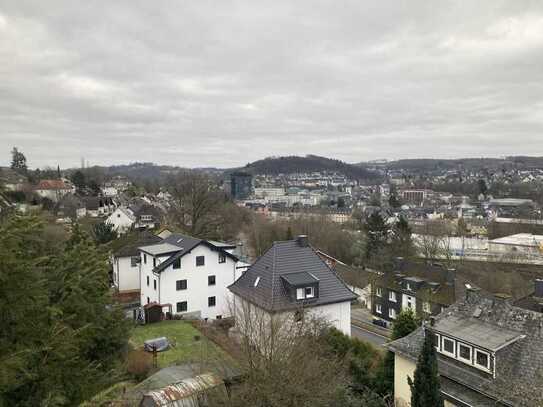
(52, 184)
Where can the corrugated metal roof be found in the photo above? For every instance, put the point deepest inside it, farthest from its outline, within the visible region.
(183, 394)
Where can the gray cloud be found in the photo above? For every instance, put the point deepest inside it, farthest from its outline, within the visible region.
(222, 83)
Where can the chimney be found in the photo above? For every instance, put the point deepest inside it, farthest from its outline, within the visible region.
(302, 241)
(538, 288)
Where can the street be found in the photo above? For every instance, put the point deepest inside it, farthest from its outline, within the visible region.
(367, 336)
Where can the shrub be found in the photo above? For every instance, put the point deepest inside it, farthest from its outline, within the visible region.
(139, 364)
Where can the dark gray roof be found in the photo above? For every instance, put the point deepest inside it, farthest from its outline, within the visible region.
(297, 279)
(178, 245)
(281, 261)
(476, 332)
(519, 363)
(132, 249)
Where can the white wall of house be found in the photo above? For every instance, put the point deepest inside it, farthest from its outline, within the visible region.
(126, 277)
(337, 315)
(198, 291)
(120, 220)
(52, 194)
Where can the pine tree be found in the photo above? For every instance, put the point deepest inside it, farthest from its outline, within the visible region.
(377, 234)
(425, 388)
(18, 161)
(402, 243)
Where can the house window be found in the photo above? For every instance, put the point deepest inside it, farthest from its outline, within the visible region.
(211, 301)
(134, 260)
(379, 292)
(147, 281)
(211, 280)
(409, 302)
(408, 286)
(181, 285)
(200, 261)
(118, 215)
(392, 296)
(177, 263)
(426, 307)
(391, 313)
(378, 308)
(154, 284)
(144, 258)
(309, 292)
(464, 352)
(218, 317)
(222, 258)
(436, 341)
(182, 306)
(154, 261)
(482, 359)
(148, 300)
(306, 292)
(447, 346)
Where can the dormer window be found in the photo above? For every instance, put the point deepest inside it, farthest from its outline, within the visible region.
(408, 286)
(482, 359)
(305, 293)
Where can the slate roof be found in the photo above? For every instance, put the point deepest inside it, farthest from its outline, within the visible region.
(518, 377)
(132, 249)
(282, 260)
(177, 245)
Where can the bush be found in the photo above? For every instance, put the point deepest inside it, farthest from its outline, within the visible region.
(139, 364)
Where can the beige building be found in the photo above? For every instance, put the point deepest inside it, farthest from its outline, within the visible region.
(490, 353)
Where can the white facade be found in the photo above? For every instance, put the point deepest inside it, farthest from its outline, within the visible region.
(121, 219)
(126, 273)
(195, 298)
(337, 315)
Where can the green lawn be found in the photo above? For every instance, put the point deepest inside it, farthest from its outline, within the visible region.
(182, 337)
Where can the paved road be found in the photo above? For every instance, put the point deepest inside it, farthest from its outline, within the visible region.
(368, 336)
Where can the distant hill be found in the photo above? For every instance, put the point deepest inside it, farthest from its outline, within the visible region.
(309, 163)
(431, 164)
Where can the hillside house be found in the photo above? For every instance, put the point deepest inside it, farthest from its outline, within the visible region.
(122, 220)
(53, 189)
(291, 280)
(425, 289)
(190, 274)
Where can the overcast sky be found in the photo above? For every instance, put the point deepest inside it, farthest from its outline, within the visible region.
(221, 83)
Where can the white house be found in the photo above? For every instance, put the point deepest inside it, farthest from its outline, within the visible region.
(192, 275)
(122, 219)
(292, 280)
(126, 264)
(53, 189)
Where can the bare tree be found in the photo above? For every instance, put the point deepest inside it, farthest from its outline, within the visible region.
(285, 363)
(196, 201)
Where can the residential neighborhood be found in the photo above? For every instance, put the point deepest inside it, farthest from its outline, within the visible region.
(280, 204)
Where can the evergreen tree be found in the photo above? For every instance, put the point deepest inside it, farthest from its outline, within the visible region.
(103, 233)
(78, 178)
(61, 336)
(425, 388)
(402, 243)
(59, 175)
(18, 161)
(377, 234)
